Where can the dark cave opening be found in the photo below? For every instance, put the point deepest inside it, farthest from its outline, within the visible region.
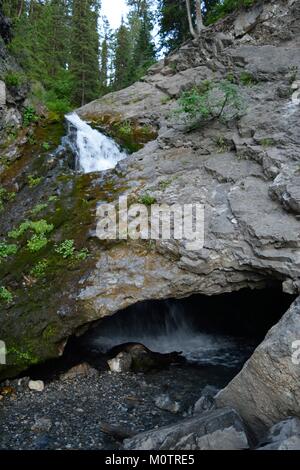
(218, 332)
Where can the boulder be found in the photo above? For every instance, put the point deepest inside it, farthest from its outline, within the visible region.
(142, 358)
(81, 370)
(214, 430)
(283, 436)
(267, 388)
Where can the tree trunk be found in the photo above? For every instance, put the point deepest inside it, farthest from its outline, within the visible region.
(199, 18)
(189, 13)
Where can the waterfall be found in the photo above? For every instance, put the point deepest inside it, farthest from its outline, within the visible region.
(168, 328)
(93, 150)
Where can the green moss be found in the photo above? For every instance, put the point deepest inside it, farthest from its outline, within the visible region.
(34, 181)
(5, 197)
(267, 142)
(38, 208)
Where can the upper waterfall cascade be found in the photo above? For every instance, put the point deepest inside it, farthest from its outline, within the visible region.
(94, 151)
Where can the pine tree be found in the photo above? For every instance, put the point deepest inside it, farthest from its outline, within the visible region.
(140, 21)
(144, 49)
(123, 58)
(85, 50)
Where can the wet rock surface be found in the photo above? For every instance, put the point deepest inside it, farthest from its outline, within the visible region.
(214, 430)
(283, 436)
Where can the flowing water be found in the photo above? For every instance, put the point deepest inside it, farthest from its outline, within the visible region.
(93, 150)
(172, 330)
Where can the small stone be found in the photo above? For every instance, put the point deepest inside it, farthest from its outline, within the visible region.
(41, 425)
(36, 385)
(120, 363)
(164, 402)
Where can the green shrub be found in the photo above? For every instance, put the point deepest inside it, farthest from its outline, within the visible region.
(210, 100)
(59, 106)
(5, 295)
(14, 79)
(225, 7)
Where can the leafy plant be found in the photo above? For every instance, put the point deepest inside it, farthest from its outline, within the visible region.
(14, 79)
(37, 242)
(147, 199)
(39, 227)
(29, 116)
(247, 79)
(210, 100)
(34, 181)
(267, 142)
(46, 146)
(82, 255)
(39, 270)
(222, 144)
(7, 250)
(225, 7)
(5, 295)
(66, 249)
(125, 128)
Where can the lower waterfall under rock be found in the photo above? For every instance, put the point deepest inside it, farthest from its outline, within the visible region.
(215, 334)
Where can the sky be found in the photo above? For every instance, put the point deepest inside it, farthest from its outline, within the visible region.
(114, 10)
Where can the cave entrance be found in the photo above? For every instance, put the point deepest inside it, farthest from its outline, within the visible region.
(220, 330)
(216, 335)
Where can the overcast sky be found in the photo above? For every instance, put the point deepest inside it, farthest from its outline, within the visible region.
(114, 10)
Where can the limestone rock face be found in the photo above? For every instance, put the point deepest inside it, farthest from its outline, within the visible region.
(213, 430)
(2, 93)
(283, 436)
(267, 389)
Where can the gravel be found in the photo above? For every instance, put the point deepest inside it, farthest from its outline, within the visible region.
(68, 414)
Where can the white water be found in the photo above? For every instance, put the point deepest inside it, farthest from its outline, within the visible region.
(94, 151)
(175, 332)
